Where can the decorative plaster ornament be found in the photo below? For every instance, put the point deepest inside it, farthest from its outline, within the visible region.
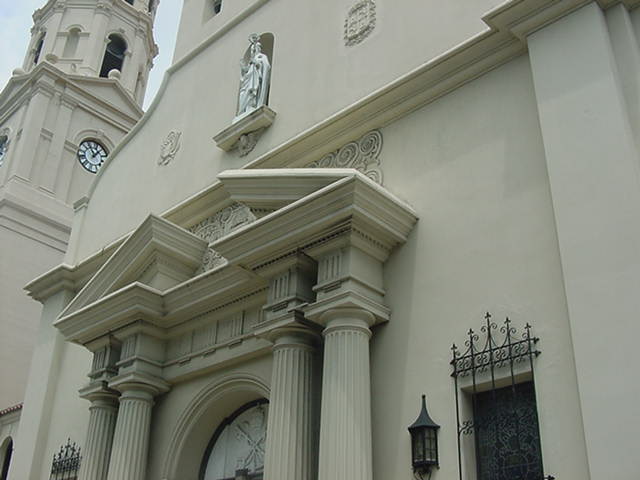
(217, 226)
(211, 260)
(360, 22)
(363, 155)
(248, 142)
(170, 147)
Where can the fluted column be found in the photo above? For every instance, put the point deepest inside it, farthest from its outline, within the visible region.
(345, 422)
(131, 438)
(97, 447)
(291, 440)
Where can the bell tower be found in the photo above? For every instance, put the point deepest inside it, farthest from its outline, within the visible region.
(78, 92)
(111, 35)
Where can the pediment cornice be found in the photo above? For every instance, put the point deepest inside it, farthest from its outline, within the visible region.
(158, 253)
(343, 200)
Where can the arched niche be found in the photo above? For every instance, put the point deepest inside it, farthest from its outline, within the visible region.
(203, 416)
(72, 42)
(267, 41)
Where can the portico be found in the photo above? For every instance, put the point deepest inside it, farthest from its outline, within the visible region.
(308, 267)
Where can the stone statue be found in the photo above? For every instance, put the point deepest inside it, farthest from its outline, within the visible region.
(255, 75)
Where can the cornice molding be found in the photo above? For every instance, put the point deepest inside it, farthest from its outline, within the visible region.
(63, 277)
(135, 302)
(355, 199)
(47, 78)
(153, 240)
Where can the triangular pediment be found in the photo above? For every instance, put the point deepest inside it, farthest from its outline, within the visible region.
(109, 91)
(158, 254)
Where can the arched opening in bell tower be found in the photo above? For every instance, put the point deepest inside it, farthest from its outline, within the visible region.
(113, 55)
(38, 49)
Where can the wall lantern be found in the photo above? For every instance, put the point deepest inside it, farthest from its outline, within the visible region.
(424, 441)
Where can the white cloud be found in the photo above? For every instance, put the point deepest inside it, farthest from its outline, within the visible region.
(16, 23)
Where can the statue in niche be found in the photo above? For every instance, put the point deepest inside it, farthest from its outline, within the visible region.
(255, 76)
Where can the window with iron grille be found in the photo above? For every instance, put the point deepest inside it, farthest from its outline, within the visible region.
(506, 434)
(496, 408)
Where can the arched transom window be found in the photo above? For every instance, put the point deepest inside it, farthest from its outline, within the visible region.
(237, 447)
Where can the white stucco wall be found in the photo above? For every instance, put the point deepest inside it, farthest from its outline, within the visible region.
(473, 166)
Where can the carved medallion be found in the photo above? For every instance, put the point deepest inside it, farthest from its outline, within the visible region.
(363, 155)
(170, 147)
(360, 22)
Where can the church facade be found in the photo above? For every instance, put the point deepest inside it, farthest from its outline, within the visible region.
(334, 210)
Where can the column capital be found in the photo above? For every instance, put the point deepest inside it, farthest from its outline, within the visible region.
(301, 337)
(347, 305)
(351, 319)
(139, 385)
(290, 329)
(98, 393)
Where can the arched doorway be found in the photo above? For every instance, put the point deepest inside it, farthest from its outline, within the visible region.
(237, 446)
(6, 451)
(208, 413)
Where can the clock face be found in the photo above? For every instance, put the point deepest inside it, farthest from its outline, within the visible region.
(91, 155)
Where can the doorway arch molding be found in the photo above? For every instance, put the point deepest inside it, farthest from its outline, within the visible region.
(203, 414)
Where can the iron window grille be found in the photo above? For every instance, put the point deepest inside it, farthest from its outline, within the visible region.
(66, 463)
(504, 415)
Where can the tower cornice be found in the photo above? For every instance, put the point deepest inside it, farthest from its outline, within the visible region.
(45, 77)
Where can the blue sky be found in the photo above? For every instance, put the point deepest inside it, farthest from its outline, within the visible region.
(16, 22)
